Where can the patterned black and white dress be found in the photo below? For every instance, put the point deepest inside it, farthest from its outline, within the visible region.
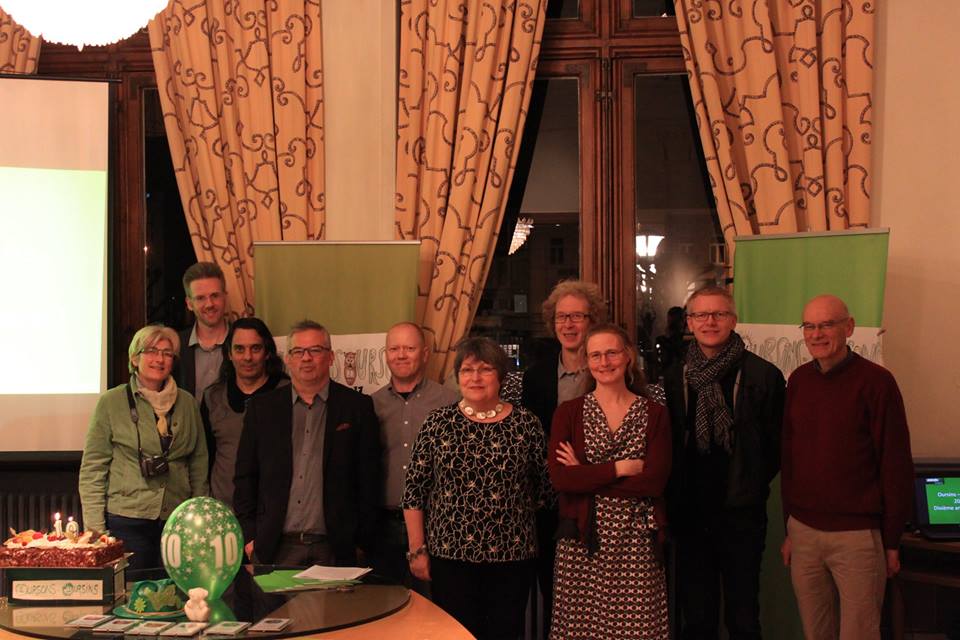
(479, 485)
(620, 591)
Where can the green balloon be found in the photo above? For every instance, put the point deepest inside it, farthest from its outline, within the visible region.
(202, 546)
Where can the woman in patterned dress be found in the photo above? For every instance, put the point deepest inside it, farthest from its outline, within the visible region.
(477, 473)
(609, 459)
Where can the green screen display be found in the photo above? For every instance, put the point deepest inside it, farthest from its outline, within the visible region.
(943, 500)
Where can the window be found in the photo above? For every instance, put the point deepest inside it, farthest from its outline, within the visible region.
(611, 114)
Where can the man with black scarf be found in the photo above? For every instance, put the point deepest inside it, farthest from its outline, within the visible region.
(726, 408)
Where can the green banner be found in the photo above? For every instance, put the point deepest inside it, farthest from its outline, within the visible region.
(349, 287)
(774, 276)
(357, 290)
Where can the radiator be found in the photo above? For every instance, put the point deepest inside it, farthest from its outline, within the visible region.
(22, 511)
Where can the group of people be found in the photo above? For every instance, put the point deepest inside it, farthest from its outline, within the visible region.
(575, 473)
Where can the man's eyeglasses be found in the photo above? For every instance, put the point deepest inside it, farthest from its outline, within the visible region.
(575, 317)
(826, 325)
(701, 316)
(153, 352)
(315, 352)
(611, 355)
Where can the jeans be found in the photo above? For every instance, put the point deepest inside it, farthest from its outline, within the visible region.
(139, 535)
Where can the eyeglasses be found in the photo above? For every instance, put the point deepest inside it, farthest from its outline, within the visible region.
(826, 325)
(153, 352)
(484, 371)
(610, 354)
(575, 317)
(315, 352)
(701, 316)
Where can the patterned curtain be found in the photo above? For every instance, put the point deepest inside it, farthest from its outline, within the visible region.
(782, 93)
(19, 51)
(466, 75)
(241, 88)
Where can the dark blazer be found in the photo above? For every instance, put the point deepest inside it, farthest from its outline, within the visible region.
(757, 423)
(351, 471)
(539, 393)
(185, 370)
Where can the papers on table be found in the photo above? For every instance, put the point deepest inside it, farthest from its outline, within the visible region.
(287, 580)
(317, 572)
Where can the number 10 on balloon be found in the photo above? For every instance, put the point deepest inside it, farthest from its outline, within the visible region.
(226, 545)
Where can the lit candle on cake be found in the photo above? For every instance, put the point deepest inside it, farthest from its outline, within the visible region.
(73, 529)
(57, 525)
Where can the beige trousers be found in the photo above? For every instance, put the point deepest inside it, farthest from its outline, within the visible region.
(838, 578)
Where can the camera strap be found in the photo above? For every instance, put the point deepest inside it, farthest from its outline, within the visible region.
(135, 418)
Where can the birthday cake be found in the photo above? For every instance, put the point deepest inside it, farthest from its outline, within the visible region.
(37, 549)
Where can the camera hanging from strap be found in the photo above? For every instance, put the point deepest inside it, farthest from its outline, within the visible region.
(150, 466)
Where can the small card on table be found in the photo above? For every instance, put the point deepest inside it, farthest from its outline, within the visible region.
(118, 625)
(89, 621)
(226, 628)
(271, 624)
(149, 628)
(185, 629)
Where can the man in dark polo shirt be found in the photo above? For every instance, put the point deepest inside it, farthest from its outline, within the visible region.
(847, 479)
(401, 407)
(200, 345)
(308, 466)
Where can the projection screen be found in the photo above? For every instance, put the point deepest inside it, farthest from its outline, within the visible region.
(53, 260)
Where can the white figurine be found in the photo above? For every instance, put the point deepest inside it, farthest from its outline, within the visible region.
(196, 608)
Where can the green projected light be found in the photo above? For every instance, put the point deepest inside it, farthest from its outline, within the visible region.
(52, 266)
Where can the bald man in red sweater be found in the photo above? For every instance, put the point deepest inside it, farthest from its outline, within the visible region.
(847, 479)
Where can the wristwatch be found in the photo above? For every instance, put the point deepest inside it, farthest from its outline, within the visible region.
(419, 551)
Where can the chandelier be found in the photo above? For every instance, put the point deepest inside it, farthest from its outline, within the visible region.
(520, 233)
(88, 23)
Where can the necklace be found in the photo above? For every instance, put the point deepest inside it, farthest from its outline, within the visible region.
(482, 415)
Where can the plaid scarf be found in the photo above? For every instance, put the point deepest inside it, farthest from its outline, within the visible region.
(714, 420)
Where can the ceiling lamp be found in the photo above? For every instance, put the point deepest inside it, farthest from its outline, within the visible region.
(520, 233)
(647, 245)
(88, 23)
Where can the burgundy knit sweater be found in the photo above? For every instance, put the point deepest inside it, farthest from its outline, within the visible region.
(846, 450)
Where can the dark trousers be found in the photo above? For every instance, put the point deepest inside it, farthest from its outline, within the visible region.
(722, 551)
(139, 535)
(388, 558)
(547, 520)
(488, 598)
(296, 552)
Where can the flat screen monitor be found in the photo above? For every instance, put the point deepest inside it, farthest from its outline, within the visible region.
(937, 503)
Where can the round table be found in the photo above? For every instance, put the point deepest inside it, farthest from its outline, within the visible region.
(311, 612)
